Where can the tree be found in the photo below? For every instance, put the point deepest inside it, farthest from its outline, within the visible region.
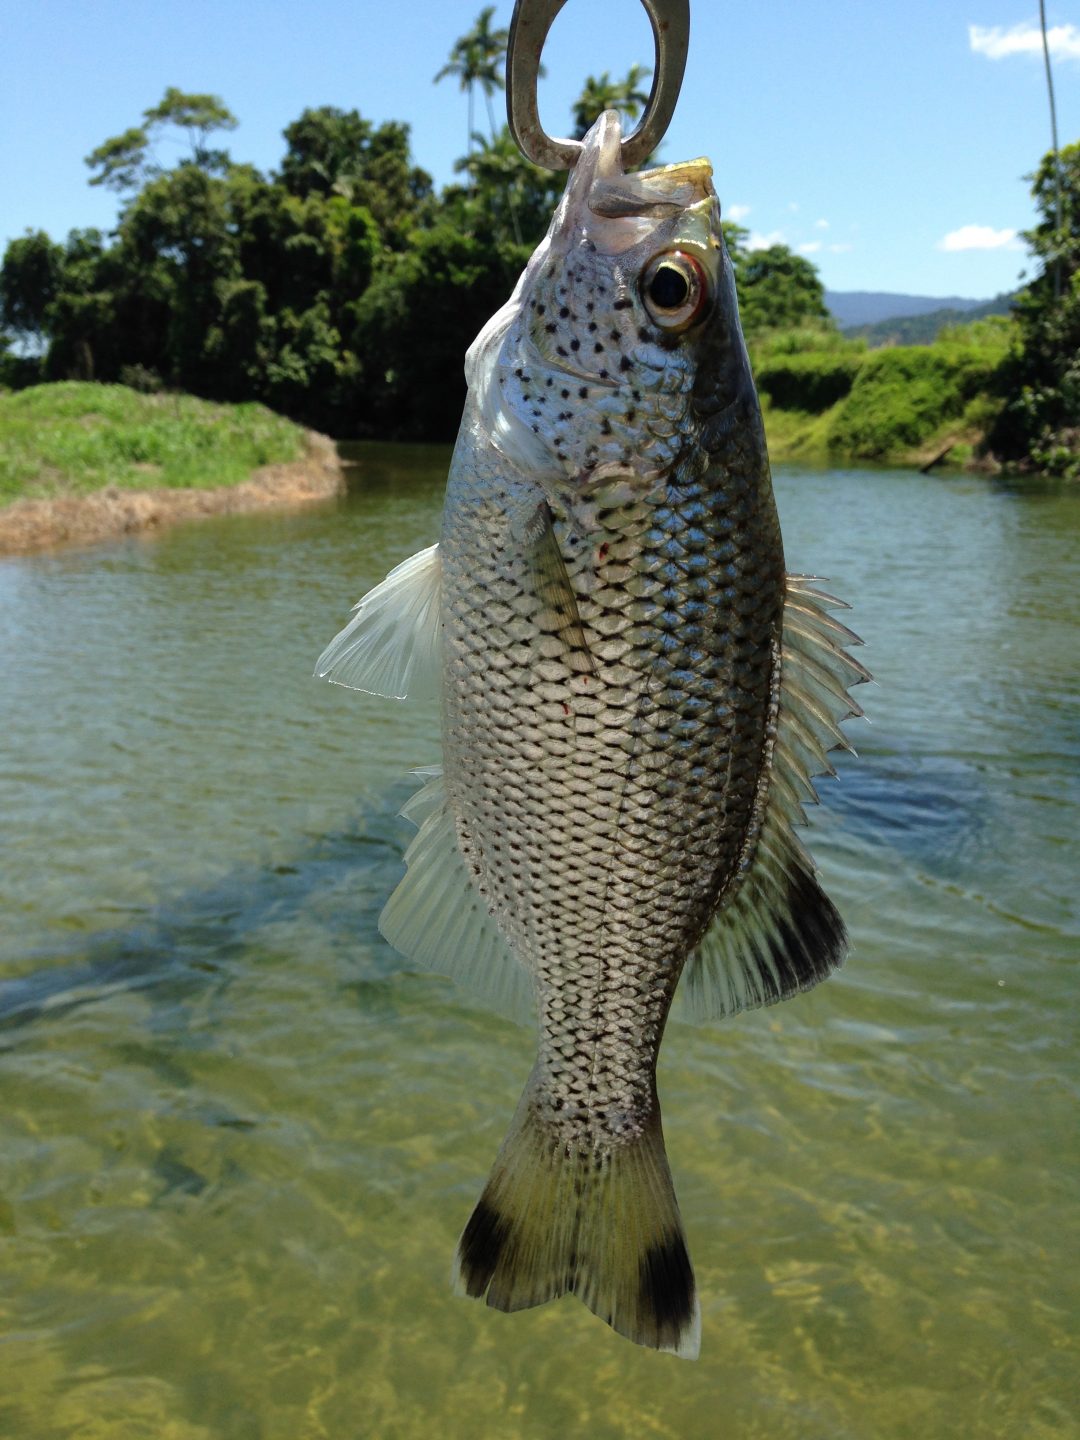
(1053, 135)
(1039, 426)
(777, 289)
(415, 322)
(511, 197)
(335, 152)
(29, 283)
(478, 58)
(127, 161)
(602, 93)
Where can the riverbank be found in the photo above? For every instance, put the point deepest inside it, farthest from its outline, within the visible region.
(827, 399)
(80, 463)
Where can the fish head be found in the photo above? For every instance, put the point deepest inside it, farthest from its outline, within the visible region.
(589, 373)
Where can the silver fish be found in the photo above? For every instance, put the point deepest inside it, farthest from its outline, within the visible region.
(635, 698)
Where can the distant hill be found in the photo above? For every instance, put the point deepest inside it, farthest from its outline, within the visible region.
(925, 328)
(867, 307)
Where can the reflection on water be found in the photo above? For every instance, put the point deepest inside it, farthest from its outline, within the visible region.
(239, 1138)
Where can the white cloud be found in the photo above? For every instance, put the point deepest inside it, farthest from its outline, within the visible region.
(758, 241)
(810, 247)
(841, 247)
(821, 224)
(995, 42)
(976, 237)
(736, 212)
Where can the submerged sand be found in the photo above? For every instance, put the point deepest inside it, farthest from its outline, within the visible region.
(29, 525)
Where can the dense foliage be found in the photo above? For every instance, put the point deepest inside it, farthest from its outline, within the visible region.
(340, 290)
(1040, 422)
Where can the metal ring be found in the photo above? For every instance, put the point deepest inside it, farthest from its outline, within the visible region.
(532, 19)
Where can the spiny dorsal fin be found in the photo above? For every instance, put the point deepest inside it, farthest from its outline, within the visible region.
(776, 931)
(391, 645)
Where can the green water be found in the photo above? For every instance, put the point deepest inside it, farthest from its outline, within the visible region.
(238, 1140)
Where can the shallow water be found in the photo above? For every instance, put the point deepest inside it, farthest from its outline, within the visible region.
(238, 1139)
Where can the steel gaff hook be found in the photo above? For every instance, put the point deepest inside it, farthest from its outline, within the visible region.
(532, 19)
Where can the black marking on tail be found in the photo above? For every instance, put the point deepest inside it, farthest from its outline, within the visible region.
(810, 942)
(667, 1286)
(481, 1245)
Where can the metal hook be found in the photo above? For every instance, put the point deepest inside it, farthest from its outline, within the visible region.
(532, 19)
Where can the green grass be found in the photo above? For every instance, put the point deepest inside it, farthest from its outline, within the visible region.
(72, 438)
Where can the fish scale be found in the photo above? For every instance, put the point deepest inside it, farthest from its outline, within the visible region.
(630, 726)
(610, 835)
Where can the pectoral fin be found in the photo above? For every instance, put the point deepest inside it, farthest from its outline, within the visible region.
(776, 931)
(552, 584)
(391, 645)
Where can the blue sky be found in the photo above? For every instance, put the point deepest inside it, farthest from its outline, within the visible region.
(885, 139)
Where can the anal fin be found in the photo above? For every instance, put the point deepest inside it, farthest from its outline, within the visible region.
(438, 919)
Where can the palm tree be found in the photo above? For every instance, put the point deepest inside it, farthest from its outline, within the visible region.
(477, 58)
(625, 96)
(1054, 143)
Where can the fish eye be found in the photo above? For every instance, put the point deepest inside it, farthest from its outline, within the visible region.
(674, 289)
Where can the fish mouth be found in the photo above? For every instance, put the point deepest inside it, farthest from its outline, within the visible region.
(697, 172)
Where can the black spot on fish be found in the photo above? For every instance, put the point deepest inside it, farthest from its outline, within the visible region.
(625, 363)
(564, 313)
(631, 415)
(540, 309)
(592, 327)
(604, 375)
(561, 350)
(598, 349)
(480, 1247)
(565, 394)
(616, 336)
(575, 344)
(583, 392)
(605, 426)
(589, 306)
(667, 1285)
(551, 327)
(520, 374)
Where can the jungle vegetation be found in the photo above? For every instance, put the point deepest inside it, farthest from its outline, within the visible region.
(342, 289)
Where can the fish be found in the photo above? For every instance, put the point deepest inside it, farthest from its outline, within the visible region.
(636, 698)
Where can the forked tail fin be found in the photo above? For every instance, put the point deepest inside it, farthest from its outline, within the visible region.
(600, 1224)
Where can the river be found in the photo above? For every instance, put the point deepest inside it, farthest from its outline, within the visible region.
(238, 1138)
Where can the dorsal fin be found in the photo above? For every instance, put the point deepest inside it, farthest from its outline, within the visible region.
(776, 931)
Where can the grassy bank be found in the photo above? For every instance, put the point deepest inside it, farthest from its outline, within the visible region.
(831, 399)
(72, 439)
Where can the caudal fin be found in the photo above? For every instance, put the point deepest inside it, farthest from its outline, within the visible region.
(600, 1224)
